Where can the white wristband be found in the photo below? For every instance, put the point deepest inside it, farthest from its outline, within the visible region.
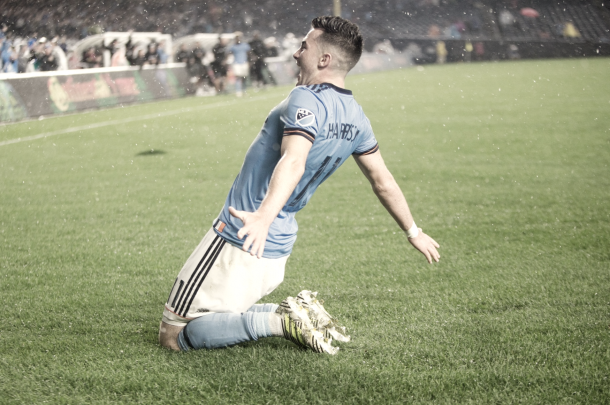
(413, 231)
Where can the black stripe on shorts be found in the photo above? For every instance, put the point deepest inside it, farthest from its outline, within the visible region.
(189, 283)
(198, 276)
(211, 263)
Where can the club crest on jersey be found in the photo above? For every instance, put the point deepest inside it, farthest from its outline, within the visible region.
(304, 117)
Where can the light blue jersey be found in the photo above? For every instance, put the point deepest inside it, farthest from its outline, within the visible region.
(240, 51)
(324, 114)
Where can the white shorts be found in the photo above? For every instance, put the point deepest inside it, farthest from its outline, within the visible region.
(220, 277)
(241, 69)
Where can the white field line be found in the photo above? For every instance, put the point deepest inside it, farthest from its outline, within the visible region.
(125, 121)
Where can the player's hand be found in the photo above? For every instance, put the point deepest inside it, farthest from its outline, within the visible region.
(427, 246)
(256, 228)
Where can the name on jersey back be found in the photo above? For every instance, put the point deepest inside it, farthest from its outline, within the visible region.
(337, 130)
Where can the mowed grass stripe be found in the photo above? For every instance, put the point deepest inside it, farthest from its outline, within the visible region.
(508, 171)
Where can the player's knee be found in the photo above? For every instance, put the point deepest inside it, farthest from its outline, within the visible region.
(168, 336)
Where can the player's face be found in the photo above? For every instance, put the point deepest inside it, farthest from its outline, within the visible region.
(307, 56)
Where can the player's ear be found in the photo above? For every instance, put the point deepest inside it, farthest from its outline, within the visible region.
(325, 60)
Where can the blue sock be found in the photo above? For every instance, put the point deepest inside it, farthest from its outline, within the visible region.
(222, 330)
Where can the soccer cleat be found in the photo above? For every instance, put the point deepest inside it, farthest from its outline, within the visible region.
(320, 317)
(313, 314)
(296, 311)
(296, 332)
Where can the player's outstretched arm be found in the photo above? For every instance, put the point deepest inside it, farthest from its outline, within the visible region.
(285, 178)
(392, 198)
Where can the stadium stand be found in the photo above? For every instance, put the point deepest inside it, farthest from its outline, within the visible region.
(378, 19)
(396, 22)
(552, 21)
(413, 22)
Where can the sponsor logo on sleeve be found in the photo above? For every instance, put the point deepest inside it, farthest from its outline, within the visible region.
(304, 117)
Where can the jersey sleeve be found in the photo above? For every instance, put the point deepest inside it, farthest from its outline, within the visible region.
(302, 114)
(368, 144)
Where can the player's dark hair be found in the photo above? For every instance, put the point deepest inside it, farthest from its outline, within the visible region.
(342, 34)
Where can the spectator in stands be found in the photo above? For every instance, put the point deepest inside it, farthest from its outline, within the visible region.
(506, 19)
(48, 62)
(434, 31)
(570, 31)
(92, 58)
(182, 55)
(219, 64)
(4, 44)
(479, 50)
(452, 31)
(151, 57)
(23, 58)
(199, 53)
(240, 64)
(163, 57)
(468, 48)
(272, 47)
(460, 27)
(11, 65)
(32, 40)
(257, 53)
(441, 52)
(199, 75)
(130, 54)
(5, 51)
(139, 59)
(115, 55)
(193, 69)
(113, 47)
(61, 42)
(118, 58)
(37, 53)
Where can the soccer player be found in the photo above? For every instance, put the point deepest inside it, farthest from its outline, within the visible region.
(241, 259)
(241, 67)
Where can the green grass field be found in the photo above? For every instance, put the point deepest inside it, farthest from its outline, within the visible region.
(504, 164)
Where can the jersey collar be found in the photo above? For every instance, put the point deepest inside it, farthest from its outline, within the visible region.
(339, 89)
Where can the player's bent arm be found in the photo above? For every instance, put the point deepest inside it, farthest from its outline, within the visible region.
(391, 197)
(285, 177)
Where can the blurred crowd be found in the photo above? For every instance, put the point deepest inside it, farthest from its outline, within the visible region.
(526, 20)
(131, 53)
(20, 55)
(68, 21)
(61, 23)
(78, 19)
